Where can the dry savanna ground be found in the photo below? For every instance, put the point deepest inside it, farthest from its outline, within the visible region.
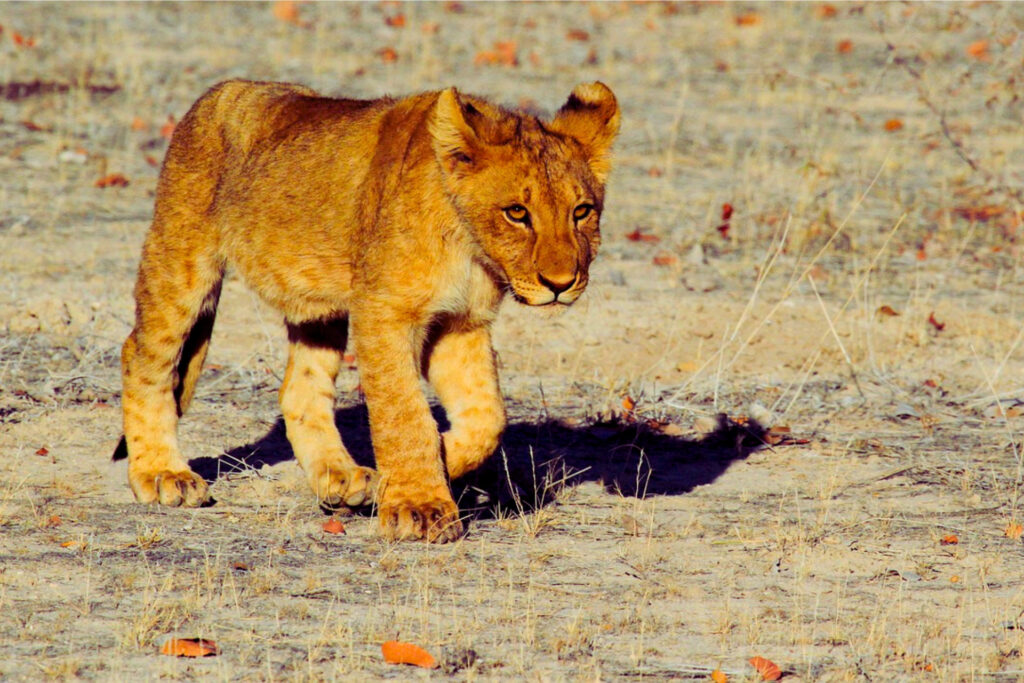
(862, 296)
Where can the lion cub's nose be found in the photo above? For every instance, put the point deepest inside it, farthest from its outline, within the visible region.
(558, 284)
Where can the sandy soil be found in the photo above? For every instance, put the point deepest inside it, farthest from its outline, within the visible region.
(864, 301)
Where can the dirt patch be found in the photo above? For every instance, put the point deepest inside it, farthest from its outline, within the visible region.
(862, 296)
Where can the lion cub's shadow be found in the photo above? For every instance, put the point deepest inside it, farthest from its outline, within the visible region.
(537, 459)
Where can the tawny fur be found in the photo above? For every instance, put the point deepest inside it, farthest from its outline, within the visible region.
(395, 221)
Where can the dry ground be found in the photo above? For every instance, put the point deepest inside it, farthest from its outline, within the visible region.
(614, 544)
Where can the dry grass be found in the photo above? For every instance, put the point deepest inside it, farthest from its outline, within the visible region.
(602, 549)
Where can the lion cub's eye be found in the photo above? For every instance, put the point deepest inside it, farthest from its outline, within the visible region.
(582, 211)
(517, 213)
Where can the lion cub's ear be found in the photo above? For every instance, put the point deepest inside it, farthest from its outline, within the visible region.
(462, 128)
(591, 116)
(453, 138)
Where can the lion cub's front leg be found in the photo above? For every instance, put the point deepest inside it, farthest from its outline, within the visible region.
(307, 404)
(414, 500)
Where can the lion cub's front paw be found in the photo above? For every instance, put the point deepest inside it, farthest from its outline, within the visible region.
(434, 520)
(184, 487)
(336, 484)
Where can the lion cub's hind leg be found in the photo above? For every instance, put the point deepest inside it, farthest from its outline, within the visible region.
(307, 404)
(462, 371)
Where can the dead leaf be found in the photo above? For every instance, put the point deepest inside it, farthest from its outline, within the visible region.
(717, 676)
(22, 41)
(112, 180)
(396, 652)
(655, 172)
(726, 211)
(43, 450)
(167, 130)
(639, 236)
(152, 161)
(1013, 530)
(334, 526)
(190, 647)
(826, 11)
(939, 327)
(506, 50)
(429, 28)
(664, 259)
(844, 47)
(388, 55)
(241, 566)
(767, 668)
(628, 404)
(979, 50)
(748, 19)
(287, 11)
(980, 213)
(138, 123)
(893, 125)
(887, 310)
(34, 127)
(949, 539)
(577, 34)
(54, 520)
(396, 21)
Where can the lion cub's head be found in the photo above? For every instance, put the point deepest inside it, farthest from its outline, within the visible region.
(531, 190)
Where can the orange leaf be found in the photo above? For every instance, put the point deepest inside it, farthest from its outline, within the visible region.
(664, 259)
(628, 403)
(287, 11)
(748, 19)
(1013, 530)
(935, 323)
(334, 526)
(190, 647)
(397, 21)
(726, 211)
(826, 11)
(407, 653)
(388, 54)
(167, 130)
(152, 161)
(893, 125)
(577, 34)
(844, 47)
(138, 123)
(887, 310)
(980, 213)
(718, 677)
(979, 50)
(949, 539)
(112, 180)
(767, 668)
(43, 450)
(638, 236)
(506, 50)
(430, 28)
(53, 521)
(22, 41)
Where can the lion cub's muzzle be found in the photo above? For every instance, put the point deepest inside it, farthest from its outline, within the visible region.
(552, 289)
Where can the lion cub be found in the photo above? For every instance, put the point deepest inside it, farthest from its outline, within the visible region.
(401, 221)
